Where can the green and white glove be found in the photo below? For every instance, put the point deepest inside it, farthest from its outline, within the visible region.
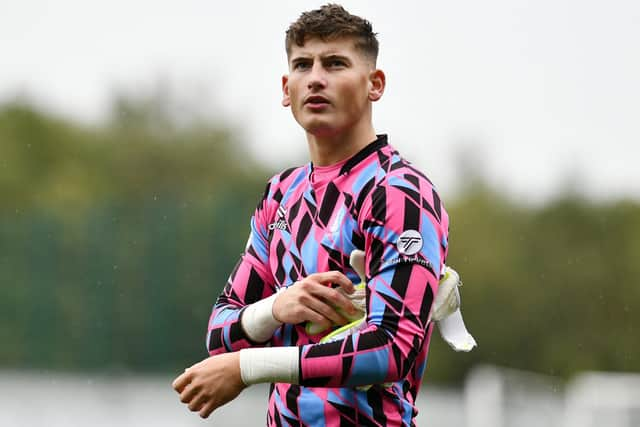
(445, 311)
(447, 315)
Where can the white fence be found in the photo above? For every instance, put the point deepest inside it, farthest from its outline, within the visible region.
(491, 397)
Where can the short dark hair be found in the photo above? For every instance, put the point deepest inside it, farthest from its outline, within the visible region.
(330, 22)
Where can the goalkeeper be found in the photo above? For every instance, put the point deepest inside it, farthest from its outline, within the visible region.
(293, 286)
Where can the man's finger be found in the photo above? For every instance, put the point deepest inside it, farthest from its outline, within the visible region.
(207, 409)
(187, 394)
(313, 316)
(181, 381)
(198, 402)
(337, 278)
(346, 285)
(336, 299)
(327, 310)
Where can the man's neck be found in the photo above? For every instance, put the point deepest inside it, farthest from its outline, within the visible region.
(331, 149)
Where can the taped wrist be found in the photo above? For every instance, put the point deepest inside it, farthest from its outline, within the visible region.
(258, 322)
(270, 365)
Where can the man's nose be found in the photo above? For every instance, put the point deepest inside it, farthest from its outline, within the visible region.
(317, 78)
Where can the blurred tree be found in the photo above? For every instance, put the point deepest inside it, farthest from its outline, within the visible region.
(115, 240)
(549, 289)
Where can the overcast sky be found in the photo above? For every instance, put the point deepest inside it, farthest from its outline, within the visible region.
(540, 94)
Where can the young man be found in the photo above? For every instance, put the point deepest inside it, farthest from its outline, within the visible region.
(357, 193)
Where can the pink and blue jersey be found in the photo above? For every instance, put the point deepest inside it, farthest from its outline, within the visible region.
(309, 220)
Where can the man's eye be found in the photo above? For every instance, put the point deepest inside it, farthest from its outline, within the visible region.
(300, 66)
(335, 63)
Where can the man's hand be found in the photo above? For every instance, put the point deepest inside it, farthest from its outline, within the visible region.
(210, 383)
(312, 300)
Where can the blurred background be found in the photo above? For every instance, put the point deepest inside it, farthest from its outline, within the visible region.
(136, 139)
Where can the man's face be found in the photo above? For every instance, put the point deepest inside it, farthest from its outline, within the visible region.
(330, 86)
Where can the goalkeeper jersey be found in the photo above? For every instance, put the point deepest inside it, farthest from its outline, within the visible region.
(309, 220)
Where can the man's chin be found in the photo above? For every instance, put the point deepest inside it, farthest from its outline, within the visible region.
(321, 128)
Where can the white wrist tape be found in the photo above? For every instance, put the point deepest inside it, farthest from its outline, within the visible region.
(269, 365)
(258, 321)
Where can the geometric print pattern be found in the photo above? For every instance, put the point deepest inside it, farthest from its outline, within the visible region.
(309, 220)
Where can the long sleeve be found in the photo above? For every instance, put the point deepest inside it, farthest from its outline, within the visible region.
(250, 281)
(405, 236)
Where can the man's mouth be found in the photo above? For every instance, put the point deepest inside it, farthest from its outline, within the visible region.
(316, 101)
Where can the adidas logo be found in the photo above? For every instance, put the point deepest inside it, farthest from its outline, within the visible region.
(281, 222)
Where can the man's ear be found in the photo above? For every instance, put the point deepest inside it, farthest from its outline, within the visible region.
(286, 101)
(377, 83)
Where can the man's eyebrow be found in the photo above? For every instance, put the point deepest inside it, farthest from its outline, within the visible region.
(301, 57)
(335, 56)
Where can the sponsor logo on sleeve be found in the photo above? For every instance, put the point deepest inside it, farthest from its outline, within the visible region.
(409, 242)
